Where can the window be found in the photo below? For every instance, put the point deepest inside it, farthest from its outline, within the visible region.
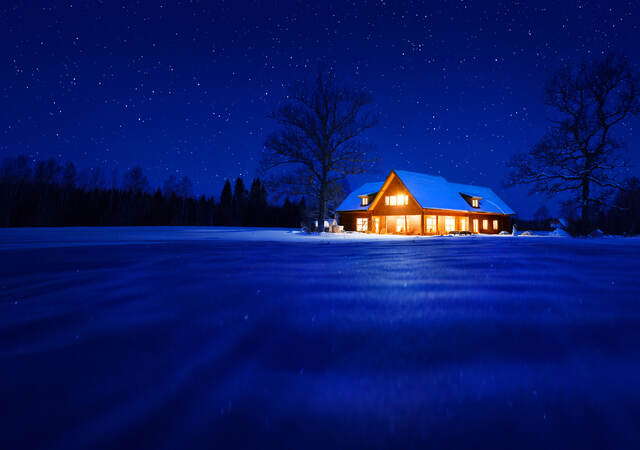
(485, 224)
(475, 202)
(362, 224)
(396, 200)
(464, 224)
(495, 224)
(449, 223)
(475, 225)
(365, 201)
(401, 224)
(430, 224)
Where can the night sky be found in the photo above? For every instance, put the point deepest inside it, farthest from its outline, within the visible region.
(185, 87)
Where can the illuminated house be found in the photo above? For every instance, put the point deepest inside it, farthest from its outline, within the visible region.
(417, 203)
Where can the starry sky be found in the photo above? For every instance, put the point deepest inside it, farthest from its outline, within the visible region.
(184, 87)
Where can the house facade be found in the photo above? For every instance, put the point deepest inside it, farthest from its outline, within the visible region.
(420, 204)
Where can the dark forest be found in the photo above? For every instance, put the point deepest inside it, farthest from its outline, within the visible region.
(46, 193)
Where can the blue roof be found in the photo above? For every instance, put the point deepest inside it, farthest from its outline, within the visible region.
(434, 192)
(353, 202)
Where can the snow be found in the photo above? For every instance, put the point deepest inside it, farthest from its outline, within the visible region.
(91, 236)
(235, 338)
(435, 192)
(559, 232)
(354, 203)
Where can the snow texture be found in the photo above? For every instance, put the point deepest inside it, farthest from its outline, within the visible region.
(234, 338)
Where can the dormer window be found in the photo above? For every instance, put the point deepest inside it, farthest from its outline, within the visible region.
(471, 199)
(365, 201)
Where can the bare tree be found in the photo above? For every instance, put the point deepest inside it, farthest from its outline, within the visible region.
(319, 140)
(69, 175)
(579, 153)
(47, 172)
(136, 181)
(171, 186)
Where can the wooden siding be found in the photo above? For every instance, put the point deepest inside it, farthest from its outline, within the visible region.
(396, 188)
(348, 219)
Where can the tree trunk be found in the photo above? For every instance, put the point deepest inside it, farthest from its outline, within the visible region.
(322, 207)
(585, 205)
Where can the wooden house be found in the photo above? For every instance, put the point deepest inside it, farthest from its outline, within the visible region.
(417, 203)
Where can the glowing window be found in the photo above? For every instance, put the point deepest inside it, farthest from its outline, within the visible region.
(362, 224)
(430, 224)
(449, 223)
(400, 224)
(396, 200)
(495, 224)
(365, 201)
(464, 224)
(475, 225)
(475, 203)
(485, 224)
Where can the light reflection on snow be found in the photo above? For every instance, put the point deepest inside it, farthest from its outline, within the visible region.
(187, 336)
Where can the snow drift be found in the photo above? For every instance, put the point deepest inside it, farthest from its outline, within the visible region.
(200, 338)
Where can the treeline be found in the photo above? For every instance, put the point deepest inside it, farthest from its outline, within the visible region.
(620, 216)
(46, 193)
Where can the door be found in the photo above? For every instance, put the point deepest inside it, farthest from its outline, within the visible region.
(475, 225)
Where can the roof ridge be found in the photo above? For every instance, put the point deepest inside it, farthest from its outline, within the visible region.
(432, 191)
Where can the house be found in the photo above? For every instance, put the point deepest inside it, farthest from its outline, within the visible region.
(417, 203)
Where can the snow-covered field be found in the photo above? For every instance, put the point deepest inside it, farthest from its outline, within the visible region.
(231, 338)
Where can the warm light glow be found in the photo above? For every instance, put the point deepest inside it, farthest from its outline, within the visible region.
(376, 224)
(396, 200)
(475, 203)
(365, 201)
(475, 225)
(449, 223)
(400, 225)
(464, 224)
(403, 224)
(485, 224)
(362, 224)
(495, 224)
(430, 224)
